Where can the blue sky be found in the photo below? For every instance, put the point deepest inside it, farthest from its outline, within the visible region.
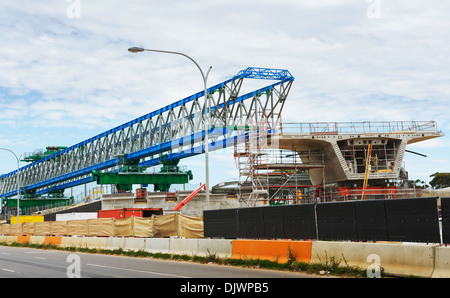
(66, 74)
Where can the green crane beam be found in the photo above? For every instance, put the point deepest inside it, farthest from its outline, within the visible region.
(161, 181)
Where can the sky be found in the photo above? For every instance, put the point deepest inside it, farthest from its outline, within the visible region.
(66, 74)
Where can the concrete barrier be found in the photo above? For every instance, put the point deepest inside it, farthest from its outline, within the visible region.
(37, 240)
(400, 259)
(222, 248)
(71, 241)
(396, 259)
(442, 263)
(23, 239)
(114, 243)
(52, 240)
(273, 250)
(94, 242)
(135, 244)
(157, 245)
(183, 246)
(8, 239)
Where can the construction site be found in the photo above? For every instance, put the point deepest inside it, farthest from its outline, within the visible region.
(277, 162)
(276, 165)
(317, 188)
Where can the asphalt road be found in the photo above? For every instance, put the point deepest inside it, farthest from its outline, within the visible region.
(20, 262)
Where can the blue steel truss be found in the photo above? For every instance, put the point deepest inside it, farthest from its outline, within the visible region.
(177, 129)
(265, 73)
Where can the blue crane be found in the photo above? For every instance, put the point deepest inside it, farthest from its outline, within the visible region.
(176, 130)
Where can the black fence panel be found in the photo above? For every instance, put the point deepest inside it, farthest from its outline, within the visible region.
(412, 220)
(445, 213)
(251, 223)
(336, 221)
(370, 220)
(89, 207)
(221, 223)
(299, 222)
(273, 222)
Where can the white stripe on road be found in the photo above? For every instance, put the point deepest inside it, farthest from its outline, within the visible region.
(8, 270)
(150, 272)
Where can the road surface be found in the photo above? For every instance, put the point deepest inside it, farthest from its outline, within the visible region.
(20, 262)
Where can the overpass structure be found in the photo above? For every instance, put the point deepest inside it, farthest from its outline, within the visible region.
(343, 157)
(351, 150)
(175, 131)
(339, 160)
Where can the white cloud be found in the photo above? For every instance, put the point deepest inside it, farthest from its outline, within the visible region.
(76, 74)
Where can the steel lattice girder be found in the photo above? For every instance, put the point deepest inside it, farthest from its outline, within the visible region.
(170, 129)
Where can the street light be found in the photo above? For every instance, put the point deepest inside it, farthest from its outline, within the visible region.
(18, 182)
(205, 79)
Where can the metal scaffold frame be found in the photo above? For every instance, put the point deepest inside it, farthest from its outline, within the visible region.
(267, 173)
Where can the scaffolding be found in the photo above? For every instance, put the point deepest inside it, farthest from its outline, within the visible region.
(250, 146)
(270, 175)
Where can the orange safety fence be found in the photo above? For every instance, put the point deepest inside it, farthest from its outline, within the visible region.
(23, 239)
(274, 250)
(53, 240)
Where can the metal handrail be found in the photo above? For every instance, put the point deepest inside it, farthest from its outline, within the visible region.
(359, 127)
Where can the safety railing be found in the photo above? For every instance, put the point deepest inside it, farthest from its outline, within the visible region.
(359, 127)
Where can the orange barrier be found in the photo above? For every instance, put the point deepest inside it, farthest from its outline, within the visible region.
(273, 250)
(53, 240)
(23, 239)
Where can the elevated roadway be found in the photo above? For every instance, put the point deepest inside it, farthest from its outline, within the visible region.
(341, 148)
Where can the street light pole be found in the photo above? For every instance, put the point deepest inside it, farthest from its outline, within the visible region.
(208, 108)
(18, 181)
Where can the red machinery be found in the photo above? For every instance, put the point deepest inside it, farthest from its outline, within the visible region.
(188, 198)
